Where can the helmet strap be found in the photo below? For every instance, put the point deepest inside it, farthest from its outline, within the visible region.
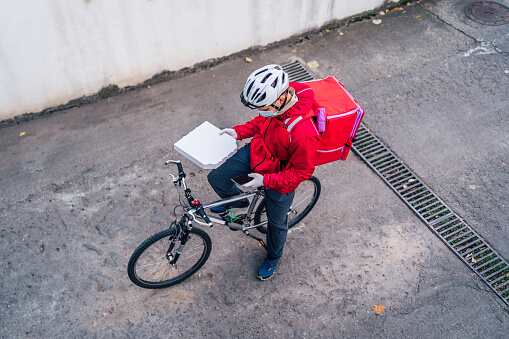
(283, 104)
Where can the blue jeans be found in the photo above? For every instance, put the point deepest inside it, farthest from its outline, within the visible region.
(277, 204)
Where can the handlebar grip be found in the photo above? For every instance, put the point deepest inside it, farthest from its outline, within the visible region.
(179, 166)
(207, 220)
(181, 170)
(202, 214)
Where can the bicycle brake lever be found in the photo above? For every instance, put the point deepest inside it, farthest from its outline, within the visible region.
(204, 216)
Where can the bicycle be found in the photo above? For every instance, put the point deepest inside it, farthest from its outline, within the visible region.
(173, 255)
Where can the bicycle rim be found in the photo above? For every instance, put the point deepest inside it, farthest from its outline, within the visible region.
(306, 196)
(150, 265)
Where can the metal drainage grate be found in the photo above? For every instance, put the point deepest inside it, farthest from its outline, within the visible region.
(470, 247)
(488, 13)
(297, 72)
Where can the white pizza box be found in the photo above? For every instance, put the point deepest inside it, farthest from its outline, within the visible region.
(206, 147)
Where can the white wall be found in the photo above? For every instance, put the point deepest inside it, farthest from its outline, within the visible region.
(53, 51)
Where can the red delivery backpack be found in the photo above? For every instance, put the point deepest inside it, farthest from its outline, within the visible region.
(342, 118)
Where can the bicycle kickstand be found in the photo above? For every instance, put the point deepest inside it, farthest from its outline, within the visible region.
(246, 232)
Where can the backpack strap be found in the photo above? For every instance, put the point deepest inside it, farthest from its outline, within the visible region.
(290, 123)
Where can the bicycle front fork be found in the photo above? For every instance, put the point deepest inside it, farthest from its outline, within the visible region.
(183, 237)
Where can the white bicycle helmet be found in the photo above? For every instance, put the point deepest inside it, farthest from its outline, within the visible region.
(264, 86)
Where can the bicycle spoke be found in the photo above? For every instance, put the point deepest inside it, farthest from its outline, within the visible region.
(303, 199)
(306, 196)
(153, 263)
(156, 271)
(154, 274)
(150, 265)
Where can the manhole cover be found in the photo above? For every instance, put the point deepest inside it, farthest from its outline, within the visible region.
(488, 13)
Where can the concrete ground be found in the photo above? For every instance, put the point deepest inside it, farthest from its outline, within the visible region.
(82, 188)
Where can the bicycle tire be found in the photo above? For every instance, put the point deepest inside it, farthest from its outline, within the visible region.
(312, 183)
(149, 266)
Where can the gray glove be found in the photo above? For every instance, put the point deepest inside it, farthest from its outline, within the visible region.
(256, 182)
(230, 131)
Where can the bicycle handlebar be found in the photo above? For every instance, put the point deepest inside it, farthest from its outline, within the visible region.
(179, 166)
(203, 215)
(197, 205)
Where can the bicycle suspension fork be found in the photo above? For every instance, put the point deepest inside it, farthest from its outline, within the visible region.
(182, 235)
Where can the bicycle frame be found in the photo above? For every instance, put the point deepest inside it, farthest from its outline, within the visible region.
(177, 252)
(256, 194)
(196, 209)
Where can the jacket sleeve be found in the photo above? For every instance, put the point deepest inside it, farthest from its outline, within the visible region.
(303, 147)
(250, 128)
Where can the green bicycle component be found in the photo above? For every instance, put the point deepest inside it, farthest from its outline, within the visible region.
(232, 217)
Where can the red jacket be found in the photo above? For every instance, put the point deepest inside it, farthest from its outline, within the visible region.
(285, 160)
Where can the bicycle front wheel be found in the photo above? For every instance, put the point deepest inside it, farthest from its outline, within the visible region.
(151, 264)
(306, 196)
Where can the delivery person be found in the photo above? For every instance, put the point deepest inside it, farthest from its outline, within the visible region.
(279, 165)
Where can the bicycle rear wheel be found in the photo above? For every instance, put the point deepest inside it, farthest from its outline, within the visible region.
(306, 196)
(150, 264)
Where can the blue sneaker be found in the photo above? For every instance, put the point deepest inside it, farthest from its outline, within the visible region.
(238, 204)
(267, 270)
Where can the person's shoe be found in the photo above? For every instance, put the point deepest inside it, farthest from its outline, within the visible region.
(238, 204)
(266, 271)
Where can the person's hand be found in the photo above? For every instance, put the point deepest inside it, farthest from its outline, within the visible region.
(230, 131)
(256, 182)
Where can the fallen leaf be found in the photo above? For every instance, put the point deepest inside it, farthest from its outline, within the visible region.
(247, 59)
(474, 261)
(469, 254)
(294, 51)
(41, 249)
(313, 64)
(472, 187)
(398, 8)
(22, 134)
(405, 186)
(408, 4)
(386, 11)
(214, 76)
(149, 87)
(378, 309)
(327, 30)
(418, 16)
(411, 180)
(25, 237)
(427, 4)
(382, 13)
(377, 21)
